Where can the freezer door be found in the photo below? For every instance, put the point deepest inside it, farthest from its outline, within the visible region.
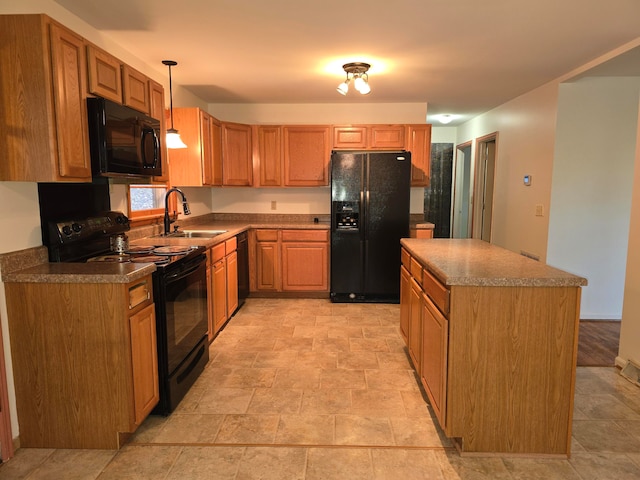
(386, 202)
(347, 171)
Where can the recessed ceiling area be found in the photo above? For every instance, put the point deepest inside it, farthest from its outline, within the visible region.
(460, 57)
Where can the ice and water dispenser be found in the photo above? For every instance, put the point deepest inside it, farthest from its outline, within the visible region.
(346, 215)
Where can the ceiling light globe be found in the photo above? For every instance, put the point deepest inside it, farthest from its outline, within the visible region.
(364, 88)
(343, 88)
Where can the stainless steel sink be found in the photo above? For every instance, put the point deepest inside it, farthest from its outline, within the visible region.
(193, 234)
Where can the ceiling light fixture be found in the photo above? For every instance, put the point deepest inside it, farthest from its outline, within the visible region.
(445, 118)
(173, 137)
(359, 77)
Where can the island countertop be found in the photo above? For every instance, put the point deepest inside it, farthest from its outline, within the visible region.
(475, 262)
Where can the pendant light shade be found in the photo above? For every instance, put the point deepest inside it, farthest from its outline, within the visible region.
(173, 137)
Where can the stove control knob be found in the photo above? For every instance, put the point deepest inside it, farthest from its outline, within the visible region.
(76, 227)
(66, 230)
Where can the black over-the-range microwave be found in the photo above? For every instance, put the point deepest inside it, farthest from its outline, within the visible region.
(123, 141)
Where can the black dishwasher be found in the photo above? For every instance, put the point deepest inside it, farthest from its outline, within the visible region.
(243, 268)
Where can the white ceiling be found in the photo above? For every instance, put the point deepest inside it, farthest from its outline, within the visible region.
(460, 56)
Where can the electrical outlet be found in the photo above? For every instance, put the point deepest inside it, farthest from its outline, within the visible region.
(539, 210)
(273, 204)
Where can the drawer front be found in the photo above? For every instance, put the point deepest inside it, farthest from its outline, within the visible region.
(305, 235)
(267, 235)
(437, 292)
(416, 270)
(140, 293)
(217, 252)
(231, 245)
(405, 258)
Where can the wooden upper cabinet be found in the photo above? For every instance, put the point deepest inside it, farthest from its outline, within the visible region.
(349, 137)
(156, 95)
(361, 137)
(43, 98)
(135, 89)
(387, 136)
(186, 164)
(419, 144)
(105, 74)
(269, 139)
(306, 154)
(215, 137)
(237, 163)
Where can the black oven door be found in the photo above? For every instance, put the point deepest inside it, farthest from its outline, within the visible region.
(182, 320)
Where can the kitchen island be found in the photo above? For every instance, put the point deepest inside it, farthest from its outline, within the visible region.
(493, 337)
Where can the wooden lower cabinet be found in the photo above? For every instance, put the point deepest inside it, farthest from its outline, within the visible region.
(497, 362)
(289, 260)
(405, 290)
(223, 301)
(86, 372)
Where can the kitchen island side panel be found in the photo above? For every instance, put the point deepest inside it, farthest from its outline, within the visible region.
(511, 370)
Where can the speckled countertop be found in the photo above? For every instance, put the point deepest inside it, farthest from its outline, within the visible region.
(31, 265)
(474, 262)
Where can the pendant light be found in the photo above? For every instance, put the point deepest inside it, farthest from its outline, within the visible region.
(173, 137)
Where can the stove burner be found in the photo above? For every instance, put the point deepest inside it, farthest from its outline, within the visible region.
(140, 249)
(157, 259)
(115, 258)
(172, 250)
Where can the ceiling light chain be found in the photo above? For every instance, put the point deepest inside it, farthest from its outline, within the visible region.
(173, 137)
(359, 77)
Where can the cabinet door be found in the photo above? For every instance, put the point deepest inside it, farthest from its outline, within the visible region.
(267, 266)
(415, 325)
(419, 144)
(207, 148)
(270, 155)
(185, 164)
(216, 151)
(219, 295)
(349, 137)
(210, 305)
(306, 153)
(69, 91)
(435, 334)
(405, 298)
(232, 283)
(144, 362)
(237, 166)
(386, 136)
(105, 74)
(135, 89)
(305, 266)
(156, 92)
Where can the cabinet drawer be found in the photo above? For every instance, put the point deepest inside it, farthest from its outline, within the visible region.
(305, 235)
(405, 258)
(416, 270)
(436, 291)
(217, 252)
(231, 245)
(139, 293)
(267, 235)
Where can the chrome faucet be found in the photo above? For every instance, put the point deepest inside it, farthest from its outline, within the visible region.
(185, 208)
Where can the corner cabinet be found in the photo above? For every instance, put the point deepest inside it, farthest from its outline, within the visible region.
(419, 144)
(86, 372)
(199, 164)
(44, 79)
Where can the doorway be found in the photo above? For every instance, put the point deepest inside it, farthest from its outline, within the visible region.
(461, 221)
(484, 186)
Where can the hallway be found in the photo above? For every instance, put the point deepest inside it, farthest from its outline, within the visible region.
(307, 389)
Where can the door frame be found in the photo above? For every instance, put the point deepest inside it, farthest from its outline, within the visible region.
(458, 185)
(6, 437)
(484, 174)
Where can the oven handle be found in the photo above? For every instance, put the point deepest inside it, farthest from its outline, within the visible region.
(186, 273)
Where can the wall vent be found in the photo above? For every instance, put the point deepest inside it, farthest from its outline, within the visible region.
(631, 372)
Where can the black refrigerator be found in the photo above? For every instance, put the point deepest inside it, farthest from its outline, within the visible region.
(370, 194)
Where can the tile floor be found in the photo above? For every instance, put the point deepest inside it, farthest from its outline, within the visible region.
(306, 389)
